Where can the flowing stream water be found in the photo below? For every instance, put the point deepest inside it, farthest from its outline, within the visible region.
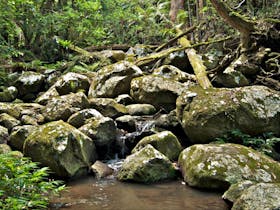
(90, 193)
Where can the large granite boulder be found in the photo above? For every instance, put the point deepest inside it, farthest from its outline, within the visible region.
(141, 109)
(4, 149)
(79, 118)
(156, 90)
(18, 136)
(217, 166)
(102, 131)
(29, 82)
(165, 142)
(114, 80)
(235, 190)
(72, 83)
(64, 149)
(8, 121)
(8, 94)
(108, 107)
(46, 96)
(147, 165)
(173, 73)
(4, 135)
(262, 196)
(62, 107)
(208, 114)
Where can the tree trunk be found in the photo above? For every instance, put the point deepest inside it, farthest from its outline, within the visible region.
(245, 27)
(175, 6)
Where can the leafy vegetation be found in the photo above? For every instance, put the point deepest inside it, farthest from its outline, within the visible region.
(23, 185)
(30, 28)
(267, 143)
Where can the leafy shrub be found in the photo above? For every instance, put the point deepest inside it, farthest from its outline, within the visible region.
(23, 185)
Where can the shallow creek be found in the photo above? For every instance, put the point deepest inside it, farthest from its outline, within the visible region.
(109, 194)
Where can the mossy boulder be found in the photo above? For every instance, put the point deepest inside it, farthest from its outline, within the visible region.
(156, 90)
(62, 107)
(4, 135)
(71, 83)
(18, 136)
(147, 166)
(217, 166)
(58, 145)
(173, 73)
(108, 107)
(114, 80)
(79, 118)
(46, 96)
(8, 94)
(4, 149)
(141, 109)
(113, 55)
(124, 99)
(16, 110)
(235, 190)
(259, 196)
(165, 142)
(29, 82)
(102, 130)
(8, 121)
(208, 114)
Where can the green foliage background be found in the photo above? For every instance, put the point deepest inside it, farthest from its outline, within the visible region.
(31, 27)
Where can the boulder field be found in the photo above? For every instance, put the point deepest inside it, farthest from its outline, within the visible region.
(159, 120)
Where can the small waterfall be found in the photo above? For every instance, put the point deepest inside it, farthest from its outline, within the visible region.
(126, 141)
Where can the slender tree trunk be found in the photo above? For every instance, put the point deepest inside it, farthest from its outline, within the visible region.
(175, 6)
(244, 26)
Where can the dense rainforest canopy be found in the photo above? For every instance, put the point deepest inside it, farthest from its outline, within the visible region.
(29, 29)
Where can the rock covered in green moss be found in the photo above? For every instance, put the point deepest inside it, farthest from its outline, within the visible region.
(262, 196)
(62, 107)
(46, 96)
(102, 131)
(114, 80)
(216, 166)
(141, 109)
(29, 82)
(79, 118)
(18, 136)
(4, 149)
(8, 121)
(108, 107)
(173, 73)
(156, 90)
(71, 83)
(235, 190)
(147, 165)
(165, 142)
(4, 135)
(8, 94)
(208, 114)
(58, 145)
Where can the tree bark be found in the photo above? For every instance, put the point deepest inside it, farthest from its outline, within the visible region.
(245, 27)
(175, 6)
